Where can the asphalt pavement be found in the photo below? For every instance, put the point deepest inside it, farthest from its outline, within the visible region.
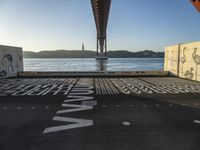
(99, 114)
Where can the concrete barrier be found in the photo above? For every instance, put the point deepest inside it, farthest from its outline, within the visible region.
(95, 74)
(183, 60)
(11, 61)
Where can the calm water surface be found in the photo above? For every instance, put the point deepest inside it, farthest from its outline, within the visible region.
(90, 64)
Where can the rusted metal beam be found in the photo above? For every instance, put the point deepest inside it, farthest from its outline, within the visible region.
(196, 3)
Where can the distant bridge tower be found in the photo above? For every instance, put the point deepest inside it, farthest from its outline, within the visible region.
(83, 47)
(101, 9)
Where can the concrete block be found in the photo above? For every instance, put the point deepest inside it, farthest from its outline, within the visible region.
(11, 61)
(183, 60)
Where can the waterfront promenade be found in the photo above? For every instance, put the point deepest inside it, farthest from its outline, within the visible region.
(127, 113)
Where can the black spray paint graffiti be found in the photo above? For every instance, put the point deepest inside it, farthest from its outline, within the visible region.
(196, 59)
(189, 73)
(183, 58)
(6, 66)
(81, 93)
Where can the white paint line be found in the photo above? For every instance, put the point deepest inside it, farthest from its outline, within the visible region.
(104, 106)
(18, 107)
(89, 103)
(197, 121)
(196, 104)
(77, 123)
(78, 98)
(81, 92)
(74, 108)
(5, 108)
(32, 107)
(183, 104)
(117, 106)
(130, 105)
(126, 123)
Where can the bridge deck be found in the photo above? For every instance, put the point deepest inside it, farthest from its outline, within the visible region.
(99, 113)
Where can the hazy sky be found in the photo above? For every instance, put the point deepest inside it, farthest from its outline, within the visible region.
(65, 24)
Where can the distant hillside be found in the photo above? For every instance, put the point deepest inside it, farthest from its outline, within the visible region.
(92, 54)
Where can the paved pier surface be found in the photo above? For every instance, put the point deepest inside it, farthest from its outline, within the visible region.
(99, 114)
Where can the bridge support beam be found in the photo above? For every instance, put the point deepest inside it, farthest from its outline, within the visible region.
(101, 48)
(101, 10)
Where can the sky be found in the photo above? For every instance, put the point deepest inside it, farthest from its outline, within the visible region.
(134, 25)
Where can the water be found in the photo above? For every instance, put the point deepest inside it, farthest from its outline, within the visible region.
(90, 64)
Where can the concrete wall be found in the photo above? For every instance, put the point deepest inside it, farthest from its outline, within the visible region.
(183, 60)
(95, 74)
(11, 61)
(171, 59)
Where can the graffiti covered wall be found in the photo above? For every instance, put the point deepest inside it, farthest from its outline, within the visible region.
(171, 59)
(183, 60)
(11, 61)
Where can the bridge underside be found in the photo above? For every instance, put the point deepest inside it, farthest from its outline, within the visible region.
(101, 10)
(196, 3)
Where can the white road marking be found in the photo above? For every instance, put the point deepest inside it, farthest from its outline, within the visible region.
(79, 93)
(31, 87)
(47, 107)
(32, 107)
(130, 105)
(117, 106)
(184, 104)
(196, 104)
(104, 106)
(197, 121)
(5, 108)
(18, 107)
(77, 123)
(126, 85)
(89, 103)
(74, 108)
(78, 98)
(126, 123)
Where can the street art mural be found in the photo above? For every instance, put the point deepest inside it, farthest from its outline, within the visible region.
(189, 74)
(196, 59)
(6, 65)
(187, 60)
(171, 59)
(11, 61)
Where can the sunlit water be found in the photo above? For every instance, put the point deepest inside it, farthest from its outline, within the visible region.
(89, 64)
